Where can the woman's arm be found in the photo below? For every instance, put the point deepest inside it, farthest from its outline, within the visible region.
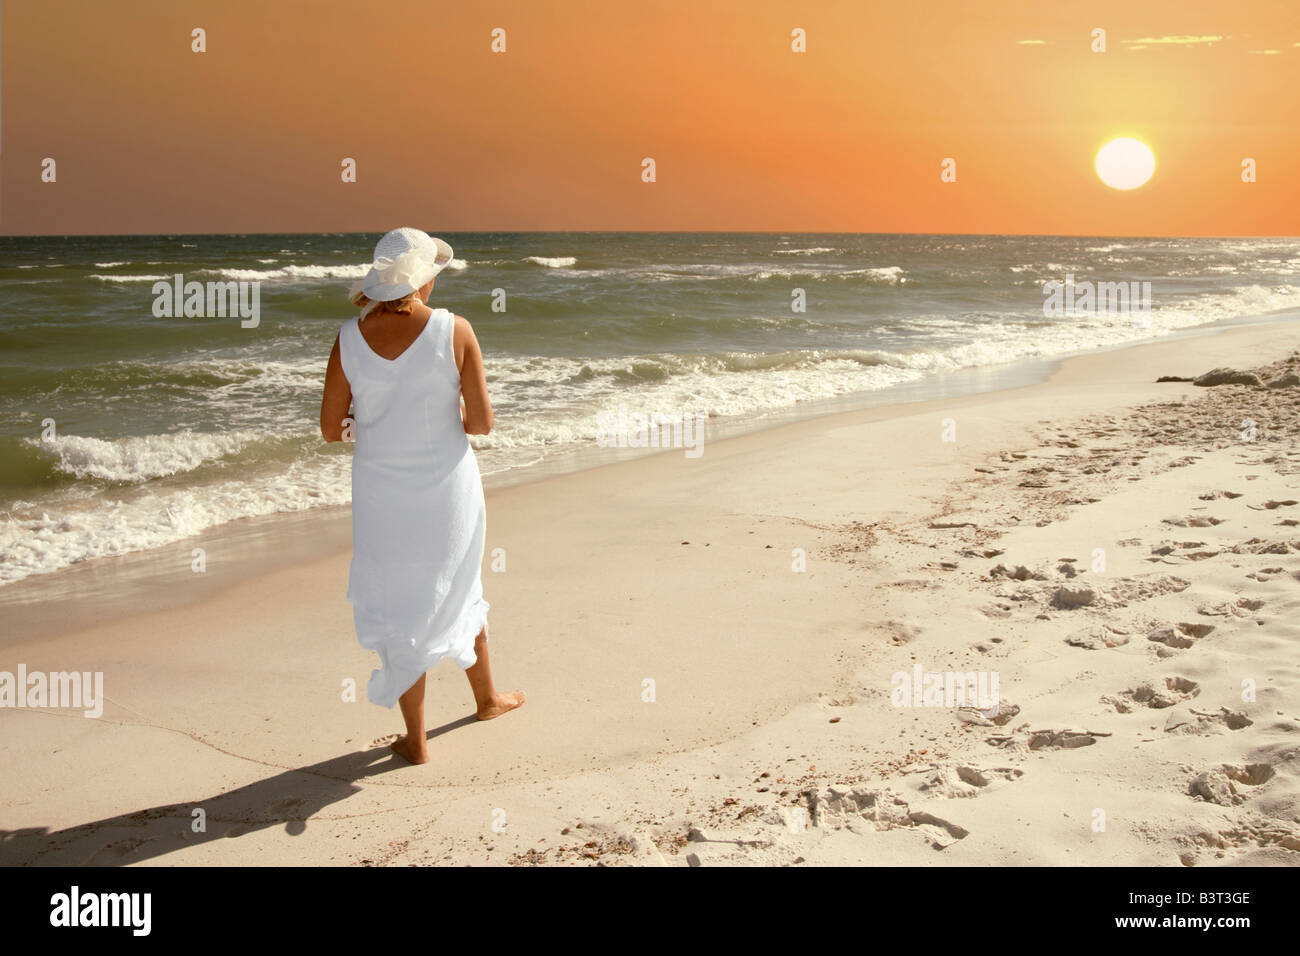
(477, 412)
(337, 399)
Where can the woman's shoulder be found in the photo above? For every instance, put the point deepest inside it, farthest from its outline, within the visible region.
(458, 324)
(460, 327)
(350, 328)
(349, 332)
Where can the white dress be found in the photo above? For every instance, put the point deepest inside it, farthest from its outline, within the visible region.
(418, 515)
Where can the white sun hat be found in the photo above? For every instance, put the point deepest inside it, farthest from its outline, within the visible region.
(405, 259)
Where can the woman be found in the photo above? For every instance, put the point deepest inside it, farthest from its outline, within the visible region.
(418, 516)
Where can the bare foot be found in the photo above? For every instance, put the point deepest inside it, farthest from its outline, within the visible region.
(501, 703)
(412, 754)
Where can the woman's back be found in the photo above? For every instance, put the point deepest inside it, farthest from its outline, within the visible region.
(418, 517)
(406, 408)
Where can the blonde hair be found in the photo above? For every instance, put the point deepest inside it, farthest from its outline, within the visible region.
(406, 304)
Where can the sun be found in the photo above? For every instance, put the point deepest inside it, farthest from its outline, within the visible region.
(1125, 163)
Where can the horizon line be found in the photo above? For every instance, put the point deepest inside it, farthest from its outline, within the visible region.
(655, 232)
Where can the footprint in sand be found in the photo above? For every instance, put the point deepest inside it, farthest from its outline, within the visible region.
(1221, 786)
(982, 778)
(1047, 739)
(1060, 739)
(1181, 635)
(965, 781)
(1266, 574)
(1098, 636)
(1154, 694)
(1244, 836)
(1264, 546)
(1127, 590)
(843, 808)
(1193, 521)
(1191, 551)
(996, 716)
(1242, 607)
(1186, 720)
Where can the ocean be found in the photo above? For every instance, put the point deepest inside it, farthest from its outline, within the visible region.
(121, 430)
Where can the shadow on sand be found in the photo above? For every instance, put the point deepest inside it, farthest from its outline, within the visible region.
(288, 799)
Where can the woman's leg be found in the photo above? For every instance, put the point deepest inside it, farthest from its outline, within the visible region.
(413, 746)
(489, 703)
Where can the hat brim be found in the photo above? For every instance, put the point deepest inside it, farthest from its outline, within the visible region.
(377, 291)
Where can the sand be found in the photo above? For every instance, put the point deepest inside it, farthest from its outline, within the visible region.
(709, 648)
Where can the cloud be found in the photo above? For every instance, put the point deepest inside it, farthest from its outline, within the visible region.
(1265, 52)
(1178, 40)
(1042, 42)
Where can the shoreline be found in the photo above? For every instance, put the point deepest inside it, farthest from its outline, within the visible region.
(768, 736)
(952, 383)
(117, 585)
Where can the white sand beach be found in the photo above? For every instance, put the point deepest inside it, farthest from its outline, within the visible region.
(1113, 549)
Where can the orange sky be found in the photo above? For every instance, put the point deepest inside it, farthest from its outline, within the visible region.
(747, 135)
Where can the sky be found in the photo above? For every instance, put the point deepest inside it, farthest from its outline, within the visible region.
(746, 134)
